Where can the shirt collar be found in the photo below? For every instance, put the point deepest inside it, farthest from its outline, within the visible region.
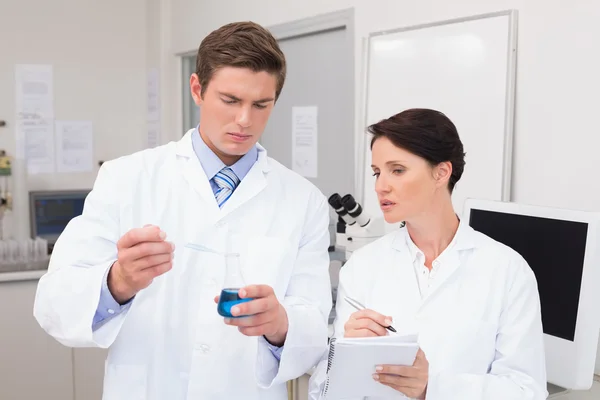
(213, 164)
(412, 248)
(459, 237)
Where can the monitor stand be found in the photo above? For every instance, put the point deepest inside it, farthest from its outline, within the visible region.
(555, 391)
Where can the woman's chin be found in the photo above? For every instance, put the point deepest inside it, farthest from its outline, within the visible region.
(392, 218)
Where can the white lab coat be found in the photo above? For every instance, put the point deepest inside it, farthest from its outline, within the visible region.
(479, 324)
(172, 344)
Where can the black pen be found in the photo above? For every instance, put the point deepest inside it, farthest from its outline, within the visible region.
(360, 307)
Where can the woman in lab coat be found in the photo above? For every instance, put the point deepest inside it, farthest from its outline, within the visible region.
(472, 301)
(122, 276)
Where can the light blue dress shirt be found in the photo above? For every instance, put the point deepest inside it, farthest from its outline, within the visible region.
(211, 164)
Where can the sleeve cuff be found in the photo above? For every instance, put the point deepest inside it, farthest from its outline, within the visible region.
(275, 350)
(108, 307)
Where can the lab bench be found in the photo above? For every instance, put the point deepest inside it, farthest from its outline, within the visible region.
(23, 271)
(33, 364)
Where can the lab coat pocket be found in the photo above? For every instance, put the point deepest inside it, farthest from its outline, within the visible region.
(125, 382)
(263, 260)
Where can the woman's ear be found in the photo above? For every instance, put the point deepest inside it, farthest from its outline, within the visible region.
(442, 173)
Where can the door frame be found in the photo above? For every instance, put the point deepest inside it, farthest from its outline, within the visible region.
(342, 19)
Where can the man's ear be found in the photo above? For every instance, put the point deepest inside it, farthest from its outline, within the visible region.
(196, 89)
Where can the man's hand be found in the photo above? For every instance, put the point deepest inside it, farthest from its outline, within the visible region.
(366, 323)
(262, 316)
(143, 254)
(411, 381)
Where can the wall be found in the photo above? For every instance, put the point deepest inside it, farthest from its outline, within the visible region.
(556, 143)
(162, 54)
(98, 51)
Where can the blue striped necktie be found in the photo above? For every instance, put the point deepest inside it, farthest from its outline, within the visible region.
(227, 181)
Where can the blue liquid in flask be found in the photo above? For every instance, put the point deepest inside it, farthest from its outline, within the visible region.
(228, 299)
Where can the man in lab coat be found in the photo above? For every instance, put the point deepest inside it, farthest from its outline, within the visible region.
(122, 276)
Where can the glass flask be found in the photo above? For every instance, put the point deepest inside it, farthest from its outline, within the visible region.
(232, 284)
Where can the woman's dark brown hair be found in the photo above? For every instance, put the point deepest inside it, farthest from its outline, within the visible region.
(426, 133)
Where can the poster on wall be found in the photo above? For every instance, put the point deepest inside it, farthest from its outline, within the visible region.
(74, 146)
(304, 141)
(34, 100)
(36, 145)
(34, 91)
(153, 112)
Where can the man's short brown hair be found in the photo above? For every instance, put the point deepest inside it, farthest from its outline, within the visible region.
(242, 45)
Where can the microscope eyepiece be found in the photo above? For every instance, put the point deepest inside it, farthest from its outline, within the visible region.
(335, 201)
(355, 210)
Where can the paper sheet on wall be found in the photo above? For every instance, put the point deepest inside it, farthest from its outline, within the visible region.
(74, 146)
(34, 91)
(153, 103)
(34, 100)
(304, 141)
(36, 145)
(153, 134)
(153, 95)
(20, 132)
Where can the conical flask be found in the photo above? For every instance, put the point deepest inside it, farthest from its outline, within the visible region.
(232, 284)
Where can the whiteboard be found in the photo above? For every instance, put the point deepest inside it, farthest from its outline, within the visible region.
(464, 68)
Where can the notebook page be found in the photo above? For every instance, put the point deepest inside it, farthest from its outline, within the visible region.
(394, 338)
(353, 365)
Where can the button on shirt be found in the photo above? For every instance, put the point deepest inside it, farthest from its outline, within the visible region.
(211, 164)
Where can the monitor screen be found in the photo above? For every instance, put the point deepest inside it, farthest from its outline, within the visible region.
(555, 251)
(51, 212)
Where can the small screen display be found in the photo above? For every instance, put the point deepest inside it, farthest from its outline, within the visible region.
(555, 251)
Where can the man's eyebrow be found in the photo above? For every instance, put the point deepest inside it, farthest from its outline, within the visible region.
(265, 100)
(232, 97)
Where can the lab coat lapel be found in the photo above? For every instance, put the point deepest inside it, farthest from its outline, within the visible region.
(252, 184)
(410, 295)
(194, 174)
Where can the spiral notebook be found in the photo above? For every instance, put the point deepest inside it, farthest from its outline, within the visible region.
(352, 363)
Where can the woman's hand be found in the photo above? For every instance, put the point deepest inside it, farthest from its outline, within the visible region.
(366, 323)
(410, 381)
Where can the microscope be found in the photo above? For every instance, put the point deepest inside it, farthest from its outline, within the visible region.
(355, 228)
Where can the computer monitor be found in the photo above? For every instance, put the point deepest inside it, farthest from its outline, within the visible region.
(51, 211)
(561, 247)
